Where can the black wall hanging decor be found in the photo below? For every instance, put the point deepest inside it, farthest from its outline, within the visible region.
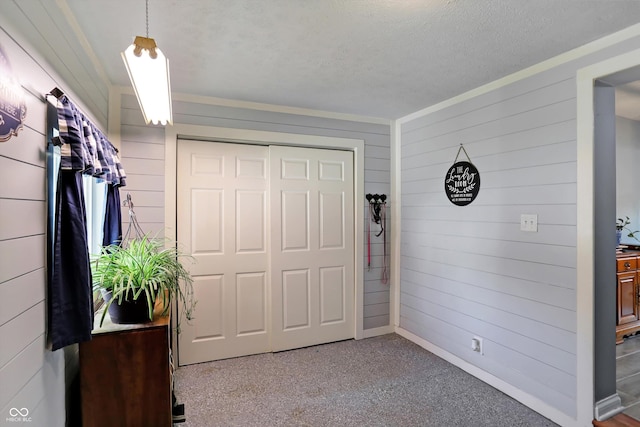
(462, 182)
(377, 202)
(377, 215)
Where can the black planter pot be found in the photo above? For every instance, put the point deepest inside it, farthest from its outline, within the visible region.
(128, 312)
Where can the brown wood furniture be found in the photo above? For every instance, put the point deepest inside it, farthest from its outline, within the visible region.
(628, 300)
(125, 377)
(620, 420)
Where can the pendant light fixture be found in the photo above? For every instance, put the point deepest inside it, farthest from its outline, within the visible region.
(148, 70)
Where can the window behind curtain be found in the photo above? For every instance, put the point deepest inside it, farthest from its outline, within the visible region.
(95, 192)
(95, 198)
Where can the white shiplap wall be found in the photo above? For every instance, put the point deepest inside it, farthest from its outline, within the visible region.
(31, 376)
(470, 271)
(143, 159)
(44, 26)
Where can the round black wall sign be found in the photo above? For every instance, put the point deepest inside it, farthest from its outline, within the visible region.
(462, 183)
(13, 109)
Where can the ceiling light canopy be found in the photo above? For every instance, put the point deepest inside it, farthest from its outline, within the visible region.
(148, 70)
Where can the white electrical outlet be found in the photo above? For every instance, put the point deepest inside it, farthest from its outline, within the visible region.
(529, 222)
(476, 345)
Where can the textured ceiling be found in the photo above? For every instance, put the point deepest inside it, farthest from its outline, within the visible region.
(379, 58)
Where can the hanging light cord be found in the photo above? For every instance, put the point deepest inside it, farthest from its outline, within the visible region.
(147, 15)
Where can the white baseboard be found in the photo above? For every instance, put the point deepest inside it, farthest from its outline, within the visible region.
(526, 399)
(374, 332)
(608, 407)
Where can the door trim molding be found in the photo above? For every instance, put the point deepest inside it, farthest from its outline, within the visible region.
(212, 133)
(585, 263)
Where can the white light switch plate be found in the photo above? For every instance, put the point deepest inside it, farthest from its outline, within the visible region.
(529, 222)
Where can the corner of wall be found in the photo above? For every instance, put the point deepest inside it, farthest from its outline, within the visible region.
(396, 226)
(114, 117)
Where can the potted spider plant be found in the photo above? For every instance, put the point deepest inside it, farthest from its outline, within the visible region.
(135, 276)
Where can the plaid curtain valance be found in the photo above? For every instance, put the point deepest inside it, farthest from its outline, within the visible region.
(84, 148)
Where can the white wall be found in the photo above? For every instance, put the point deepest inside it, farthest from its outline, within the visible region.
(31, 376)
(143, 160)
(470, 271)
(628, 174)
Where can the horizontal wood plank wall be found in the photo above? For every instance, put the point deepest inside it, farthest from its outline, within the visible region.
(142, 156)
(470, 271)
(42, 25)
(143, 160)
(31, 376)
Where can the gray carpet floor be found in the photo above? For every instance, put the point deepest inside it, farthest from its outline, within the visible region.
(381, 381)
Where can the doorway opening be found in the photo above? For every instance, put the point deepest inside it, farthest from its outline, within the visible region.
(627, 112)
(596, 211)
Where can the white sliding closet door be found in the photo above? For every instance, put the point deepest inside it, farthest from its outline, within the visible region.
(312, 253)
(271, 230)
(223, 219)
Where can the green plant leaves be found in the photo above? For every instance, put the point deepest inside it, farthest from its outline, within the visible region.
(144, 267)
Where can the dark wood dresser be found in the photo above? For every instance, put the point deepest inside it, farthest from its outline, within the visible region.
(627, 298)
(125, 377)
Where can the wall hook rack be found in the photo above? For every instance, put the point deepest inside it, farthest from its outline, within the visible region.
(376, 202)
(377, 212)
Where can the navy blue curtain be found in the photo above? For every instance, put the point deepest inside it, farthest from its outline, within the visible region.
(112, 233)
(83, 150)
(70, 291)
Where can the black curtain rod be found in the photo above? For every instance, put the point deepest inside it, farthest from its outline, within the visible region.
(56, 92)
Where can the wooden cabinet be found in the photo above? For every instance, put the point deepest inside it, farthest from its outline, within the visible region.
(628, 301)
(125, 377)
